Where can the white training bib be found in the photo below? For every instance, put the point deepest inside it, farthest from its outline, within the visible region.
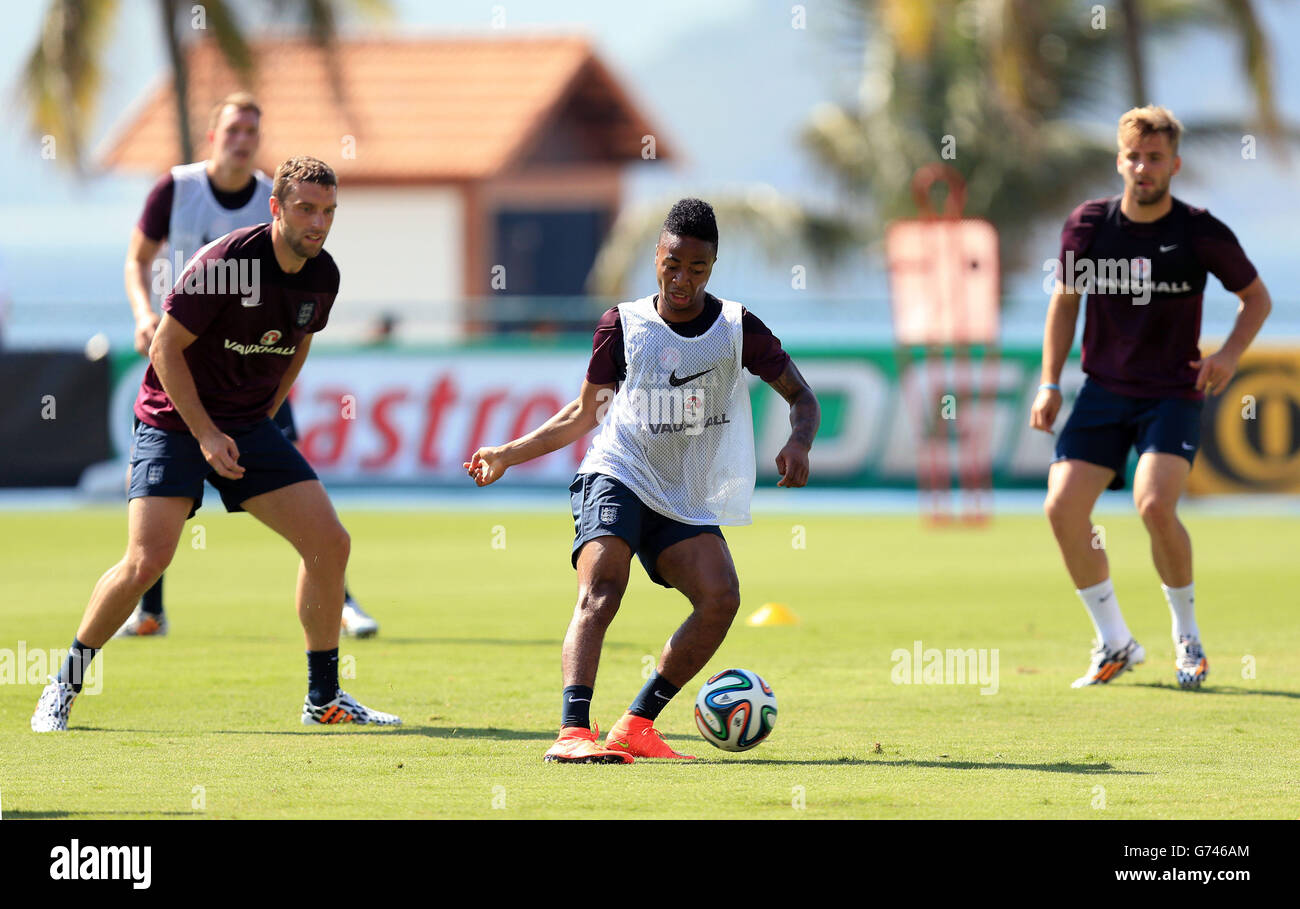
(679, 432)
(198, 218)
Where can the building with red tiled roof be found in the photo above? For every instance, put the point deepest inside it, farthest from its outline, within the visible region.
(456, 156)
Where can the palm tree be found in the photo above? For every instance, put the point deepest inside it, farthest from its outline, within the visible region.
(1236, 18)
(988, 87)
(62, 79)
(994, 85)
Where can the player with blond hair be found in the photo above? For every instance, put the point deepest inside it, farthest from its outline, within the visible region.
(1141, 258)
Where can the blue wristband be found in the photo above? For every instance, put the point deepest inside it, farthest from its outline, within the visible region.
(1052, 385)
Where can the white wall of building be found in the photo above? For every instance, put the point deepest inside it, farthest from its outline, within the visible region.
(399, 249)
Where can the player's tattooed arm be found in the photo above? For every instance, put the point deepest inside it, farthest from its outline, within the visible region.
(805, 418)
(575, 420)
(805, 412)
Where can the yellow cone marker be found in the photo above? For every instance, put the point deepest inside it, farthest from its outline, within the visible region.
(772, 614)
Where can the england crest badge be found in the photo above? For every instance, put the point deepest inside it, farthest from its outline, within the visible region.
(608, 514)
(305, 312)
(1141, 270)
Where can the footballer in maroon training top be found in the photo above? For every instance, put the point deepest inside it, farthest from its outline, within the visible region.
(1136, 346)
(1142, 259)
(235, 331)
(249, 317)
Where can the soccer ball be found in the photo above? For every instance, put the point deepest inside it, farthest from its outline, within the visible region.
(735, 710)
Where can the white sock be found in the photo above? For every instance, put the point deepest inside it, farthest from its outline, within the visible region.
(1103, 607)
(1182, 603)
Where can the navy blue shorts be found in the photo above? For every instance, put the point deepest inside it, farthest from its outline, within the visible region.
(1103, 426)
(172, 464)
(604, 507)
(284, 419)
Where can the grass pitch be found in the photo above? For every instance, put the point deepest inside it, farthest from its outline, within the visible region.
(204, 723)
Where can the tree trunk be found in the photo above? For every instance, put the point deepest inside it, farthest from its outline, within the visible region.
(180, 79)
(1134, 51)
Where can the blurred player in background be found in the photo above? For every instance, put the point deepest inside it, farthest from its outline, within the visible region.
(673, 460)
(222, 361)
(189, 207)
(1148, 255)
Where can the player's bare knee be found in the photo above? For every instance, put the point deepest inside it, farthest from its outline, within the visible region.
(1065, 511)
(328, 550)
(338, 544)
(720, 602)
(1157, 511)
(728, 603)
(1059, 510)
(144, 567)
(599, 600)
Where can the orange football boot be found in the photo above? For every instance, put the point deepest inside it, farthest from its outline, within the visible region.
(143, 624)
(635, 735)
(577, 745)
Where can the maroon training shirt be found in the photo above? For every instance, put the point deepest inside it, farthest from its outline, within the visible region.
(761, 353)
(245, 343)
(1138, 349)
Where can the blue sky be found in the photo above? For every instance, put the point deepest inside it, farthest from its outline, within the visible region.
(729, 82)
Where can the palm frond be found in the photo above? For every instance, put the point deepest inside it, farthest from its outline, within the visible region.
(775, 221)
(1257, 63)
(61, 80)
(226, 31)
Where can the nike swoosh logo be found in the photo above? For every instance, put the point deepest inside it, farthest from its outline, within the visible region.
(674, 381)
(1187, 447)
(1104, 599)
(1165, 249)
(662, 696)
(573, 700)
(250, 305)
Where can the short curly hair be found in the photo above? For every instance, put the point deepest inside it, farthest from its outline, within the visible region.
(692, 218)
